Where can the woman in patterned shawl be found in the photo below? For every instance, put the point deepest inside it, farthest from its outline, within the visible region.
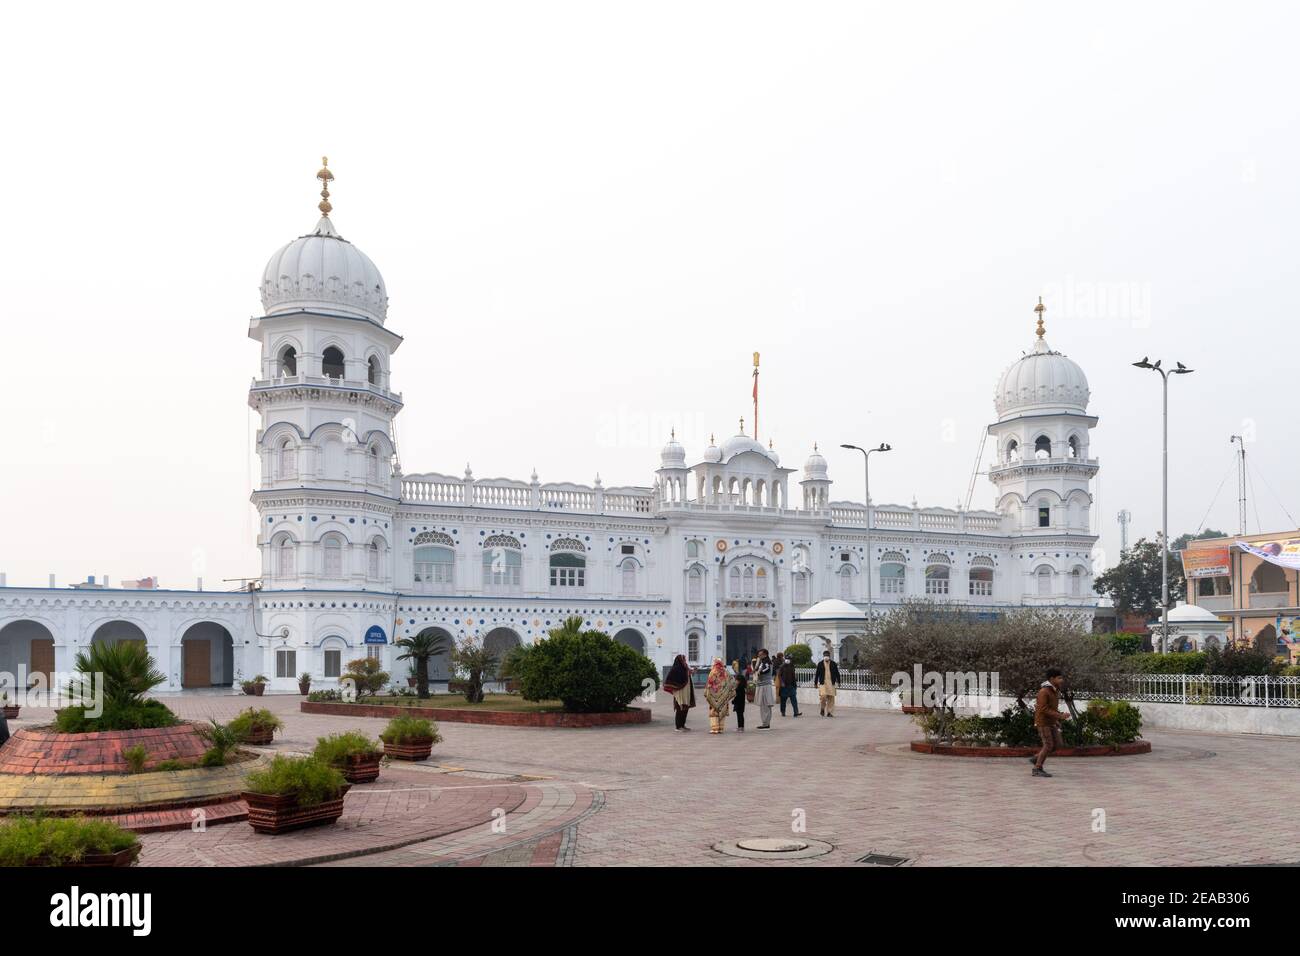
(718, 691)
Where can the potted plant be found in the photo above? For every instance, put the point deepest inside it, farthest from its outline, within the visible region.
(410, 738)
(294, 792)
(66, 841)
(256, 727)
(254, 687)
(10, 710)
(411, 679)
(304, 683)
(353, 754)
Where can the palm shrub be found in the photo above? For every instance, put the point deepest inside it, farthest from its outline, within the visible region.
(587, 671)
(308, 780)
(122, 673)
(477, 664)
(222, 741)
(418, 650)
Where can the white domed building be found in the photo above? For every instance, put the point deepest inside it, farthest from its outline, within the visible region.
(714, 558)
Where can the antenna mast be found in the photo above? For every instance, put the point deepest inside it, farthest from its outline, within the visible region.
(1241, 483)
(1124, 518)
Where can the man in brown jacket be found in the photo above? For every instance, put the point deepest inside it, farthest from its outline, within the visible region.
(1047, 718)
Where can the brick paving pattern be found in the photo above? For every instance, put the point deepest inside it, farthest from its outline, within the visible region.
(644, 795)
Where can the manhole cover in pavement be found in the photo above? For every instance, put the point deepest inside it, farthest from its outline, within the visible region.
(883, 859)
(773, 848)
(769, 845)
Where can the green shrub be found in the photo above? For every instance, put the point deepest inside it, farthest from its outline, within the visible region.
(1291, 670)
(367, 674)
(135, 758)
(800, 655)
(322, 695)
(336, 748)
(406, 730)
(1110, 722)
(221, 738)
(56, 841)
(1125, 644)
(307, 779)
(173, 765)
(118, 716)
(252, 721)
(1235, 661)
(213, 757)
(126, 671)
(1180, 662)
(587, 671)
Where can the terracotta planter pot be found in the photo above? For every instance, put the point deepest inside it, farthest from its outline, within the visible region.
(125, 857)
(260, 736)
(411, 750)
(411, 681)
(254, 690)
(361, 768)
(304, 689)
(11, 711)
(273, 813)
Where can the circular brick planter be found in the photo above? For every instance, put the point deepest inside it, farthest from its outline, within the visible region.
(953, 750)
(499, 718)
(42, 751)
(125, 857)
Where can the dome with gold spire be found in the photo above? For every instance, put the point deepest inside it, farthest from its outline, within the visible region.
(1041, 381)
(323, 272)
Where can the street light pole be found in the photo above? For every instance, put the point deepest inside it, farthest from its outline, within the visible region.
(1164, 493)
(866, 476)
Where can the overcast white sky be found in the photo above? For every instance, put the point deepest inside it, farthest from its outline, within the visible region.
(590, 215)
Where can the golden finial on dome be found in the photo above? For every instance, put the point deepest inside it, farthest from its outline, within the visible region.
(742, 425)
(1040, 309)
(325, 177)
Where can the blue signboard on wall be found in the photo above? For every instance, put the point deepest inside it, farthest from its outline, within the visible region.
(376, 635)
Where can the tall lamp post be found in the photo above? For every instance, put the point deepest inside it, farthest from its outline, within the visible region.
(1180, 369)
(866, 473)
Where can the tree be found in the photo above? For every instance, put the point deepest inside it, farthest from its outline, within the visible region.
(366, 674)
(1183, 540)
(477, 664)
(1134, 583)
(587, 671)
(419, 649)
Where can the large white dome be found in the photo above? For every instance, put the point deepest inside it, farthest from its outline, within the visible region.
(1041, 381)
(322, 271)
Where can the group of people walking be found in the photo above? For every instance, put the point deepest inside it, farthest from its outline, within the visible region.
(761, 681)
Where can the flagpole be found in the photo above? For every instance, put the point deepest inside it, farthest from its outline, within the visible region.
(755, 396)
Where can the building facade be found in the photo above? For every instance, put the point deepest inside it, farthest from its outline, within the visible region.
(716, 555)
(1245, 584)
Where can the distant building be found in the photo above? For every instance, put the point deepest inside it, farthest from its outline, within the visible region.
(1251, 583)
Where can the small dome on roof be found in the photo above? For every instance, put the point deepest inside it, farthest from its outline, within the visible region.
(833, 609)
(815, 468)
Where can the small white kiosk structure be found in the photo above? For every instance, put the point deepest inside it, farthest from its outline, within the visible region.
(826, 625)
(1192, 628)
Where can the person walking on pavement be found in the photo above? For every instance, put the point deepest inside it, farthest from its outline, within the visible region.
(764, 696)
(678, 683)
(741, 676)
(826, 680)
(1047, 719)
(789, 685)
(719, 690)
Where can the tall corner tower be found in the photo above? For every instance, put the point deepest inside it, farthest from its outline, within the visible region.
(1043, 473)
(327, 492)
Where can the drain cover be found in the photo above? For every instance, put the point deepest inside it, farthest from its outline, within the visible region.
(883, 859)
(773, 848)
(768, 845)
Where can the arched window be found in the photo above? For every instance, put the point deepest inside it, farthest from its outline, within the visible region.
(568, 570)
(1074, 446)
(288, 459)
(692, 549)
(331, 362)
(628, 567)
(693, 641)
(372, 560)
(1044, 513)
(287, 363)
(800, 587)
(1042, 447)
(502, 563)
(695, 586)
(284, 557)
(893, 573)
(937, 574)
(981, 577)
(1013, 450)
(846, 583)
(1076, 582)
(435, 561)
(1268, 579)
(373, 371)
(372, 463)
(1045, 581)
(733, 582)
(748, 574)
(760, 583)
(333, 556)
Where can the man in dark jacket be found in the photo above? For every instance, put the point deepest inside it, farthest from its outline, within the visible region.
(1047, 718)
(789, 686)
(826, 681)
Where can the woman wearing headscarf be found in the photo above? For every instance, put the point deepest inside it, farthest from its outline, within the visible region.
(719, 690)
(678, 683)
(765, 696)
(741, 675)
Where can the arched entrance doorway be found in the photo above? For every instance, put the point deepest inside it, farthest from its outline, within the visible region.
(501, 641)
(440, 666)
(1266, 641)
(207, 656)
(632, 638)
(114, 632)
(26, 648)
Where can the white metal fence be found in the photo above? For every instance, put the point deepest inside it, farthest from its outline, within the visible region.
(1153, 688)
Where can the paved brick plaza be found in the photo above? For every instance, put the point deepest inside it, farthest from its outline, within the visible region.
(645, 795)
